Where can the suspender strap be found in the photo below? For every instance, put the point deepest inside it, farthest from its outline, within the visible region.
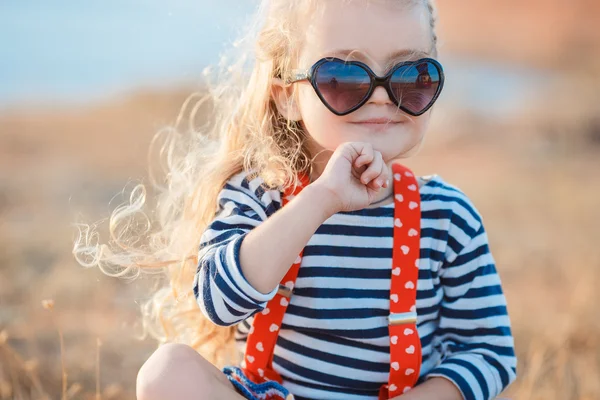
(258, 357)
(405, 344)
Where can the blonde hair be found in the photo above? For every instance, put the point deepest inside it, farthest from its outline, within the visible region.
(245, 132)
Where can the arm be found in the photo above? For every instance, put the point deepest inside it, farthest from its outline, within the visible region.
(349, 182)
(433, 388)
(242, 256)
(474, 325)
(269, 250)
(233, 281)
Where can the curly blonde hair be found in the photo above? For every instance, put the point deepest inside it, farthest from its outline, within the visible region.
(245, 132)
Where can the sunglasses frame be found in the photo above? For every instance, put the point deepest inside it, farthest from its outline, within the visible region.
(376, 81)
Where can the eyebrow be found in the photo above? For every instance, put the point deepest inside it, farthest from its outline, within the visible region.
(400, 55)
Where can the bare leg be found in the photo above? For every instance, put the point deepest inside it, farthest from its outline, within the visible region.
(178, 372)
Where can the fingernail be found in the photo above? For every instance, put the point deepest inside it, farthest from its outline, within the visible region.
(379, 182)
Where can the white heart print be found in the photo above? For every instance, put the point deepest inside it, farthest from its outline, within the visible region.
(298, 260)
(397, 177)
(399, 197)
(284, 302)
(412, 205)
(417, 263)
(395, 366)
(393, 388)
(250, 359)
(409, 371)
(408, 173)
(398, 223)
(408, 331)
(290, 197)
(289, 284)
(261, 372)
(273, 327)
(409, 285)
(396, 271)
(394, 339)
(394, 298)
(412, 187)
(266, 311)
(413, 308)
(259, 346)
(406, 389)
(412, 232)
(405, 249)
(410, 349)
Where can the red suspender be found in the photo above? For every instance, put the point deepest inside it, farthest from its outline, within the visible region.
(405, 344)
(258, 358)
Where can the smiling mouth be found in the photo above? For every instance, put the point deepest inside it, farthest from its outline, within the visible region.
(377, 125)
(376, 121)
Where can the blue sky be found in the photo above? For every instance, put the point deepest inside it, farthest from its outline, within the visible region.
(62, 49)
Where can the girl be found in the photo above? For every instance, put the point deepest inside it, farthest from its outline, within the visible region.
(340, 273)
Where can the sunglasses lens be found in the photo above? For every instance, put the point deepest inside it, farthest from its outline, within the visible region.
(342, 86)
(415, 86)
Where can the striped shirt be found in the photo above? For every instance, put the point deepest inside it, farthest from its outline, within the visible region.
(334, 338)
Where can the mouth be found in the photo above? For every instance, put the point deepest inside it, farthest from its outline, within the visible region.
(377, 123)
(381, 120)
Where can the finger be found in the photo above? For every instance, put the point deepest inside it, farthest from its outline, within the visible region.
(365, 157)
(355, 174)
(378, 183)
(385, 176)
(382, 180)
(374, 169)
(386, 182)
(375, 184)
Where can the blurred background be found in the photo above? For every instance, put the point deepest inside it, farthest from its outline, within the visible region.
(84, 86)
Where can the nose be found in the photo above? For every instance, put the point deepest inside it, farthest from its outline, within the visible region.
(379, 96)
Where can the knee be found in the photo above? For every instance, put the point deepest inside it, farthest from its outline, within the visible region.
(162, 373)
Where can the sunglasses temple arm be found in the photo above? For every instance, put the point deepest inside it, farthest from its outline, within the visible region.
(297, 75)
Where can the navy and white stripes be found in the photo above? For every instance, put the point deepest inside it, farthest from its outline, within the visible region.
(334, 343)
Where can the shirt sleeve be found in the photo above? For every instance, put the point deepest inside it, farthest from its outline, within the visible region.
(221, 290)
(474, 328)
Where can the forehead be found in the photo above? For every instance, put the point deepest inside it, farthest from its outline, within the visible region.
(377, 33)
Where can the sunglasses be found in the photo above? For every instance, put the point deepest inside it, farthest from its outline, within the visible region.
(344, 86)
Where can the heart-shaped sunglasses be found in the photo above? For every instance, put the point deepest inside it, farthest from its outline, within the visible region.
(344, 86)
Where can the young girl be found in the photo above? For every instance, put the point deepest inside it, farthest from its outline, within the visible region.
(341, 274)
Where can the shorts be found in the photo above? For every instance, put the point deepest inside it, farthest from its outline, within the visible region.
(270, 390)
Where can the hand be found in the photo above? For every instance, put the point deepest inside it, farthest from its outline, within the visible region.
(353, 176)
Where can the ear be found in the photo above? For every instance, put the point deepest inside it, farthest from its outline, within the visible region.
(282, 95)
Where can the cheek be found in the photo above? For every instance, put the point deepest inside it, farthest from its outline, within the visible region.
(422, 123)
(320, 123)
